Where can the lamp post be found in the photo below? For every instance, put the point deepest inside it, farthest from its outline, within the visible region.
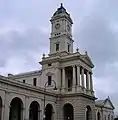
(55, 88)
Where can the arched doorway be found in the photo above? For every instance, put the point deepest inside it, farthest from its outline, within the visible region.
(34, 113)
(49, 112)
(0, 108)
(88, 113)
(16, 109)
(68, 112)
(98, 115)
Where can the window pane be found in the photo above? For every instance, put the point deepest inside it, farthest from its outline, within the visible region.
(57, 47)
(68, 48)
(34, 81)
(49, 80)
(23, 81)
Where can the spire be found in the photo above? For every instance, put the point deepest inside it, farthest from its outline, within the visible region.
(61, 5)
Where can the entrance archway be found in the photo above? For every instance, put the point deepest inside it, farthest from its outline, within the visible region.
(34, 113)
(98, 116)
(49, 112)
(0, 108)
(88, 113)
(16, 109)
(68, 112)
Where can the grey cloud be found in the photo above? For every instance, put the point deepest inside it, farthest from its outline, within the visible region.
(27, 45)
(93, 31)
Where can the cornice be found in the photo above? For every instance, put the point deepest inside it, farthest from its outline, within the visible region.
(25, 86)
(77, 95)
(66, 58)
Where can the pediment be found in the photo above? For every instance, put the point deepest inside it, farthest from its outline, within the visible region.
(108, 104)
(87, 60)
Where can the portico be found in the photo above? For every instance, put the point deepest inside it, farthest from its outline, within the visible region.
(76, 76)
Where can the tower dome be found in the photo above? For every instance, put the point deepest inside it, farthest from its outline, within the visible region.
(61, 11)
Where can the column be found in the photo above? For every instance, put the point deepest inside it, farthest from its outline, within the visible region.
(63, 77)
(27, 109)
(87, 80)
(74, 76)
(82, 77)
(91, 82)
(7, 107)
(78, 75)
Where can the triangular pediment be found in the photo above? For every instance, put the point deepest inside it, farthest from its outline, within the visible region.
(108, 104)
(87, 60)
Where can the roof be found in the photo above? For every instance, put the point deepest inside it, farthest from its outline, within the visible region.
(61, 9)
(61, 13)
(102, 103)
(99, 102)
(31, 73)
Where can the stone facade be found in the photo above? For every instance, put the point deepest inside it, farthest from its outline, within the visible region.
(104, 109)
(24, 96)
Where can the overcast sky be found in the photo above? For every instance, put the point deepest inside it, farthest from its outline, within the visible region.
(25, 29)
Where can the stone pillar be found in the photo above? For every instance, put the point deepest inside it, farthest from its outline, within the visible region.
(63, 78)
(91, 82)
(7, 107)
(74, 76)
(74, 79)
(27, 108)
(87, 80)
(82, 77)
(78, 75)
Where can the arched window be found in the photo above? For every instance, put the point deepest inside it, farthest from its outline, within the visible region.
(98, 115)
(49, 112)
(88, 113)
(34, 113)
(68, 112)
(16, 109)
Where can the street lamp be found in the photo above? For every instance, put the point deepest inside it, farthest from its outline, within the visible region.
(55, 88)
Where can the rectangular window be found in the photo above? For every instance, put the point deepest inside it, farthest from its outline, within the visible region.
(34, 81)
(23, 81)
(68, 48)
(49, 64)
(57, 47)
(49, 80)
(69, 85)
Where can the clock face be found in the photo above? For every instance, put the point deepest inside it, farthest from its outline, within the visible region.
(68, 27)
(57, 26)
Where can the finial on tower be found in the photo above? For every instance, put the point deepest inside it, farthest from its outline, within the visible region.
(43, 55)
(61, 4)
(77, 49)
(86, 52)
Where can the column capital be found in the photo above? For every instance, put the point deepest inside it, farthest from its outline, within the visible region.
(73, 65)
(78, 65)
(62, 67)
(90, 72)
(82, 68)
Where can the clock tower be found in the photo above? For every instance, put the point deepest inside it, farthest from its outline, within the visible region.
(61, 33)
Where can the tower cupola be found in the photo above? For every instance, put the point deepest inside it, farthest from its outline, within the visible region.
(61, 32)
